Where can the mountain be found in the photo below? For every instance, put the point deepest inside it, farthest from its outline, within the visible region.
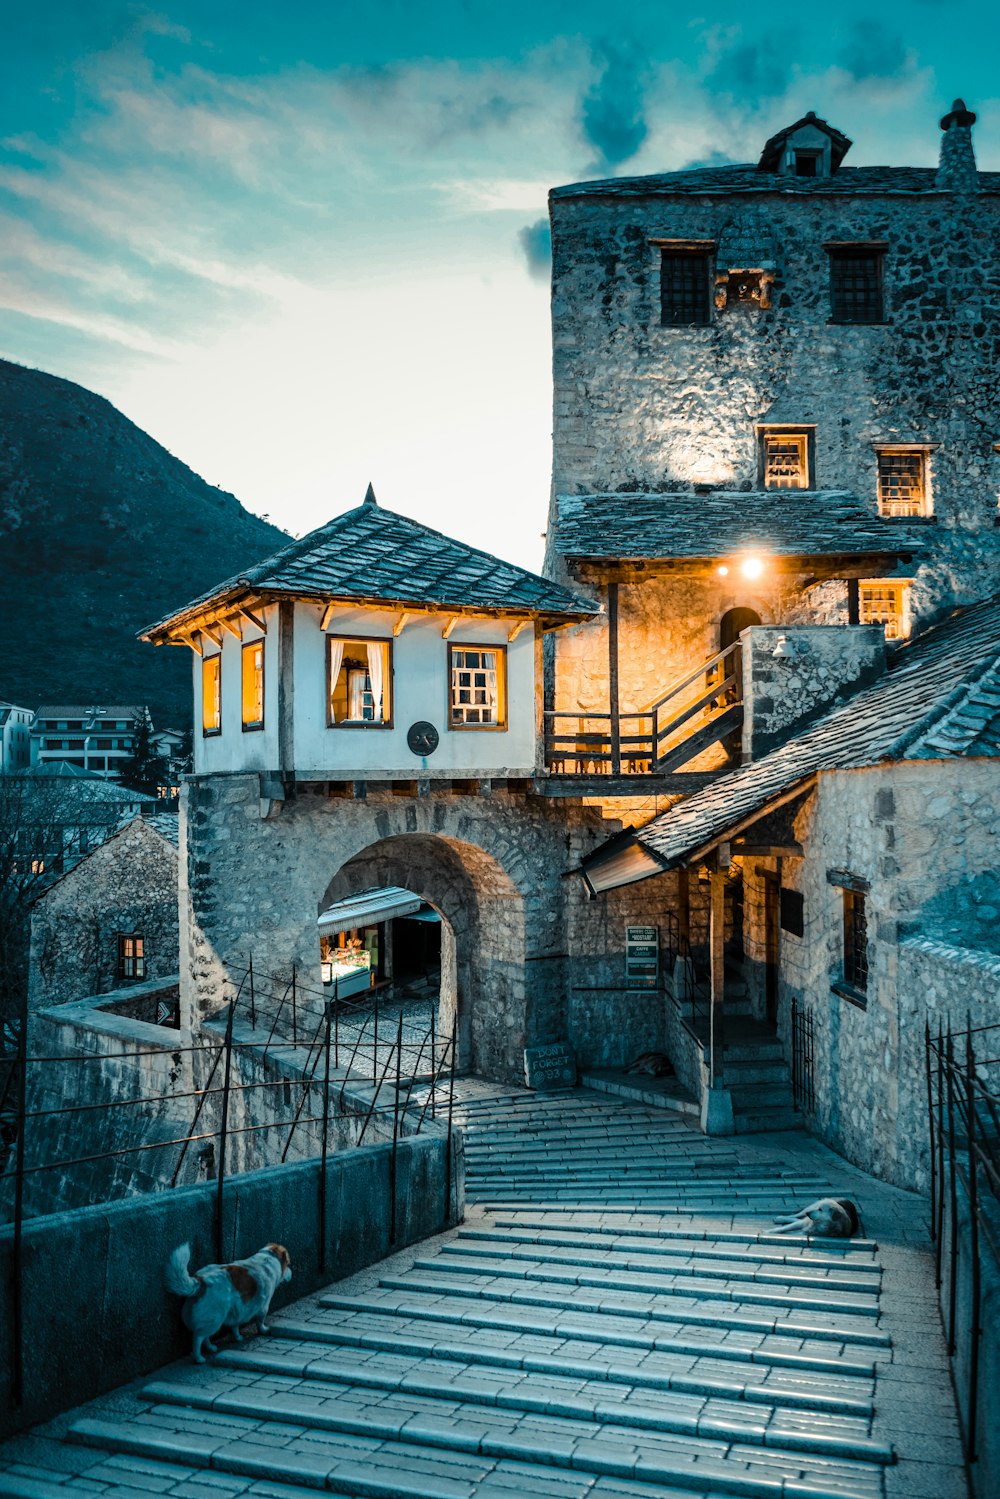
(101, 531)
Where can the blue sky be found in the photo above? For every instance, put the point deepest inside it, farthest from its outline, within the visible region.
(302, 246)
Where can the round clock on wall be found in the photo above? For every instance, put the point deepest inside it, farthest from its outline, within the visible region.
(422, 738)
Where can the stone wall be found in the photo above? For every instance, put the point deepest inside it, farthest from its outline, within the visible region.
(112, 1321)
(638, 406)
(528, 959)
(908, 830)
(129, 884)
(820, 664)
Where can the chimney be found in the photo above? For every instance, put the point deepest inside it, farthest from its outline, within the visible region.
(957, 169)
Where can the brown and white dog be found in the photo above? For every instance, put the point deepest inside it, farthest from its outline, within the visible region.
(221, 1296)
(827, 1218)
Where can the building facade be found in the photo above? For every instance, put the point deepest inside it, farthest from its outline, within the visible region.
(15, 737)
(774, 483)
(92, 738)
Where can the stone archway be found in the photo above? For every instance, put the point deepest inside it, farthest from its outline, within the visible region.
(483, 991)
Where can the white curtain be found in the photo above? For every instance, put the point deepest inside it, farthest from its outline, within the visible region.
(336, 661)
(492, 692)
(375, 675)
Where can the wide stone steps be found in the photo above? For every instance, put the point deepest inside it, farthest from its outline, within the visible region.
(694, 1370)
(624, 1324)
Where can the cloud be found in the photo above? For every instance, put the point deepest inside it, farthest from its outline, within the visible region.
(535, 241)
(746, 73)
(873, 51)
(612, 115)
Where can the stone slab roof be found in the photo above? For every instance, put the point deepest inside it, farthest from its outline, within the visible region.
(788, 522)
(371, 555)
(167, 824)
(931, 704)
(747, 178)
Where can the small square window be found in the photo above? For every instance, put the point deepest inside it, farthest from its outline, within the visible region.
(131, 955)
(856, 284)
(903, 487)
(785, 459)
(478, 690)
(883, 602)
(359, 683)
(684, 288)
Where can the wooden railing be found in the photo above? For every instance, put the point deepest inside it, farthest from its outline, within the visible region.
(695, 712)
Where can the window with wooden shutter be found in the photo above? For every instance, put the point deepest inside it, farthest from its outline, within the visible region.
(785, 458)
(882, 601)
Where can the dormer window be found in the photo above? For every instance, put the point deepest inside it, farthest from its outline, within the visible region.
(809, 148)
(807, 163)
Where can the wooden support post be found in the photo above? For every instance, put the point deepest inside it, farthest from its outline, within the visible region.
(717, 933)
(286, 698)
(616, 730)
(716, 1103)
(853, 602)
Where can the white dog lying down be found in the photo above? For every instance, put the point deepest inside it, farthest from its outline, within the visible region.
(226, 1295)
(827, 1218)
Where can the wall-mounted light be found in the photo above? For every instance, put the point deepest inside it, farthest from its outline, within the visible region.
(786, 651)
(723, 571)
(751, 567)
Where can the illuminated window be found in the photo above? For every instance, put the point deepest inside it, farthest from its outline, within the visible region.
(478, 686)
(211, 695)
(903, 487)
(882, 602)
(785, 458)
(253, 685)
(359, 683)
(131, 955)
(684, 287)
(856, 283)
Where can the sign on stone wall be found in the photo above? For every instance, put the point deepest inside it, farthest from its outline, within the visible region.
(642, 957)
(552, 1066)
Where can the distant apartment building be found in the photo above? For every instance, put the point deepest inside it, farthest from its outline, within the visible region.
(15, 737)
(92, 738)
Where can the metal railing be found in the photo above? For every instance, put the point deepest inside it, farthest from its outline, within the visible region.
(638, 743)
(297, 1033)
(963, 1113)
(803, 1058)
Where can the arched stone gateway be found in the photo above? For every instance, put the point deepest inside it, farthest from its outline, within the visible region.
(492, 864)
(483, 950)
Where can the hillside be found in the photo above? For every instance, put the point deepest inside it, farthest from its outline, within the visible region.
(102, 531)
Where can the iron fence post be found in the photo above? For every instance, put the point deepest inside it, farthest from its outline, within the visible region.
(447, 1154)
(375, 1043)
(939, 1255)
(930, 1127)
(253, 1000)
(976, 1308)
(295, 1015)
(395, 1132)
(323, 1154)
(336, 1022)
(223, 1134)
(17, 1267)
(953, 1198)
(433, 1057)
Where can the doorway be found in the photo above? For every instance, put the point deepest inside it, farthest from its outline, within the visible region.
(772, 906)
(733, 622)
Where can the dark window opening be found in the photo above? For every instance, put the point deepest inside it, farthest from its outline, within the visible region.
(855, 941)
(806, 164)
(684, 288)
(792, 905)
(856, 286)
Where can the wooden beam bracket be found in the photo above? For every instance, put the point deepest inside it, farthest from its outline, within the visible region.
(446, 632)
(399, 623)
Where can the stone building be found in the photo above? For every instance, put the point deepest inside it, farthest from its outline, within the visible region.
(774, 472)
(110, 922)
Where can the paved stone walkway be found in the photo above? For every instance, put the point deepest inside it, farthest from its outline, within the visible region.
(614, 1320)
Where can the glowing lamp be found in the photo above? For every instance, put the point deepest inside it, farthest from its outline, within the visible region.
(751, 567)
(723, 571)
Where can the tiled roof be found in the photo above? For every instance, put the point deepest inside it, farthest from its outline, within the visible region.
(746, 178)
(373, 555)
(939, 698)
(790, 522)
(92, 710)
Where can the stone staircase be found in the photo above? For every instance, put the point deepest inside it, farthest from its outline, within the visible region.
(613, 1321)
(755, 1073)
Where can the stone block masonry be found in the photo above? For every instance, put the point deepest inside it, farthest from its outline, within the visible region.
(527, 959)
